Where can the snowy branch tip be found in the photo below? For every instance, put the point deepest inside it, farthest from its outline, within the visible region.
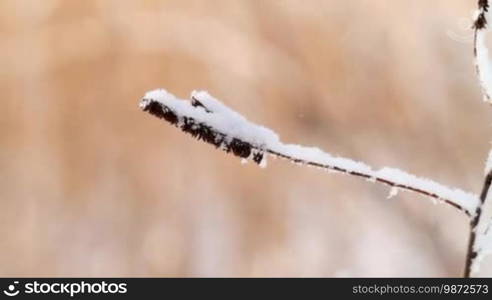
(207, 119)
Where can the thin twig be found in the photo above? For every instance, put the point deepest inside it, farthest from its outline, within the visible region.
(372, 178)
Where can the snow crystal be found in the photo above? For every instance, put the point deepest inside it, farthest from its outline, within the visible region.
(393, 192)
(263, 163)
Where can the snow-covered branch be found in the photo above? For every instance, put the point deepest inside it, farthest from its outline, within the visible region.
(207, 119)
(483, 63)
(475, 252)
(482, 247)
(479, 238)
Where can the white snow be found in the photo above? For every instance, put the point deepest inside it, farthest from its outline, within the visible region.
(393, 192)
(483, 63)
(234, 125)
(488, 164)
(222, 118)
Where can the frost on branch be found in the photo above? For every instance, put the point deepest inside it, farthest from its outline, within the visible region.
(207, 119)
(483, 64)
(482, 247)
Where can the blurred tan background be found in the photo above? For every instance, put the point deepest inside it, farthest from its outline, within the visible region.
(91, 186)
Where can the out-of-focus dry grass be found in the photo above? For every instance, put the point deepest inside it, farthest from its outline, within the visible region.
(91, 186)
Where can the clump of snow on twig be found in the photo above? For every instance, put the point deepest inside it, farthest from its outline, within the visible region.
(484, 66)
(222, 117)
(393, 193)
(488, 164)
